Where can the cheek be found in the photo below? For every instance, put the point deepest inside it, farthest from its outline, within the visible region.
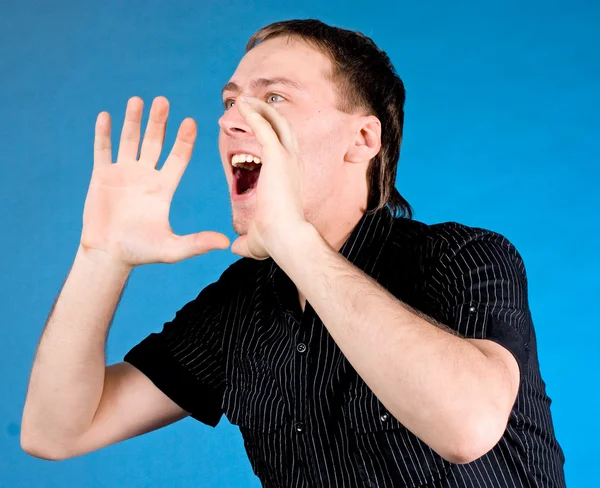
(225, 164)
(322, 142)
(321, 166)
(321, 138)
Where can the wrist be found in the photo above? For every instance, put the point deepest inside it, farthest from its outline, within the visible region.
(296, 245)
(102, 260)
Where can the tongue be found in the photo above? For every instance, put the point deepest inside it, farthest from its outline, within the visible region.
(247, 180)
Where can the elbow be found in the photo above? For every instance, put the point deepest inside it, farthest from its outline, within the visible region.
(475, 440)
(37, 451)
(41, 449)
(467, 454)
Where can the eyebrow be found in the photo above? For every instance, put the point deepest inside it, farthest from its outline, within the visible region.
(262, 83)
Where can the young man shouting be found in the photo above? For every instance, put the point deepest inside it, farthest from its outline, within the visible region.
(353, 346)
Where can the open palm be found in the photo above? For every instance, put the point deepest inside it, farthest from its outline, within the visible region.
(126, 211)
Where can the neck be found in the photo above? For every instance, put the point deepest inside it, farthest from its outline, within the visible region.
(337, 230)
(346, 208)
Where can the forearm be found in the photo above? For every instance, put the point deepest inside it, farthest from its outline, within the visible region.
(440, 386)
(67, 377)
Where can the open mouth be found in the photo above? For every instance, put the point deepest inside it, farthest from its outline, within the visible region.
(246, 170)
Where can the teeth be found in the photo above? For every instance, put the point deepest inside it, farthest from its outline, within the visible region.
(246, 161)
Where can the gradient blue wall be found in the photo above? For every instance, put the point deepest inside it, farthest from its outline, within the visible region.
(501, 132)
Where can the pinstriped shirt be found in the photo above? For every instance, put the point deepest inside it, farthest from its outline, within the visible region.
(245, 349)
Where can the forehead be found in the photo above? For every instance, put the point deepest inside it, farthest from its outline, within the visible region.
(282, 57)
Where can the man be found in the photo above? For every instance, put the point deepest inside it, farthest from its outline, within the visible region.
(352, 346)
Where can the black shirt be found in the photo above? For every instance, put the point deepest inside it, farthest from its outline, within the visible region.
(244, 348)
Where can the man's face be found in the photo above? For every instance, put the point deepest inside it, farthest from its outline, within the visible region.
(292, 77)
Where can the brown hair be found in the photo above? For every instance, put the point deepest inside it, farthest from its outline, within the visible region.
(366, 80)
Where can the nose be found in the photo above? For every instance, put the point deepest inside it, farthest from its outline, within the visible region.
(233, 124)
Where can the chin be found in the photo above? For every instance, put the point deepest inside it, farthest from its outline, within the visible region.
(241, 220)
(240, 227)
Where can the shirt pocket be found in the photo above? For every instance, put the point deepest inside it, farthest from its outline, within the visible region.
(252, 398)
(385, 452)
(253, 401)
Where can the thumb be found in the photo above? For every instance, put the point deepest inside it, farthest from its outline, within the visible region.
(240, 247)
(179, 248)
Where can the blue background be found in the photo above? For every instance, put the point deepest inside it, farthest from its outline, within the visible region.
(501, 132)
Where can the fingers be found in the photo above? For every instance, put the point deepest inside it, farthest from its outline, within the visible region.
(269, 126)
(155, 132)
(130, 134)
(181, 153)
(102, 149)
(183, 247)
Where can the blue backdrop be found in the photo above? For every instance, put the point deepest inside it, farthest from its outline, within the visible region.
(501, 132)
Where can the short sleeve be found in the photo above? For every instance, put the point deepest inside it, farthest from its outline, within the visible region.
(480, 284)
(185, 359)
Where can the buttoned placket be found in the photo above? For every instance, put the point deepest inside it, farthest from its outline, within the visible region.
(301, 424)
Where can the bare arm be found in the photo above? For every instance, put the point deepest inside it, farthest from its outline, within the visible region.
(455, 394)
(131, 405)
(74, 403)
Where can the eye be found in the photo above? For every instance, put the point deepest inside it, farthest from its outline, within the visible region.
(274, 95)
(229, 103)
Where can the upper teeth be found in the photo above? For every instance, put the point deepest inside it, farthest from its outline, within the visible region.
(242, 160)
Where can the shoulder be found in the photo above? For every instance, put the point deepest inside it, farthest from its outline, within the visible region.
(454, 235)
(442, 242)
(472, 245)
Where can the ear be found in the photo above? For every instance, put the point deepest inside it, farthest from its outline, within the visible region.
(367, 143)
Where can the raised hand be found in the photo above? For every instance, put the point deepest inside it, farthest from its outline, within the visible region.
(279, 211)
(126, 211)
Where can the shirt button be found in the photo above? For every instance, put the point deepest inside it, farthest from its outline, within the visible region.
(384, 417)
(472, 309)
(299, 426)
(301, 347)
